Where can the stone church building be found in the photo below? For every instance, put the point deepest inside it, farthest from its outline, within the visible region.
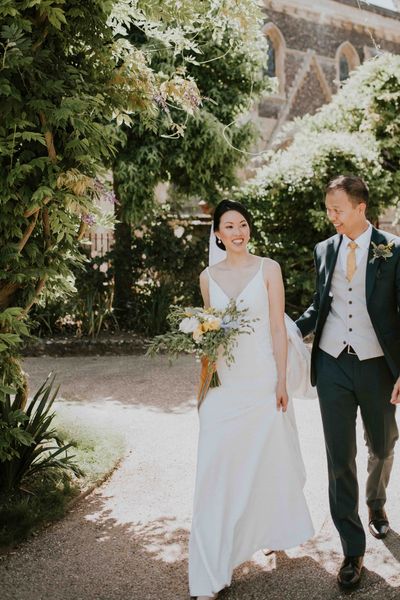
(313, 48)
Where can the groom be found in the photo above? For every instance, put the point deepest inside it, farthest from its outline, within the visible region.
(355, 361)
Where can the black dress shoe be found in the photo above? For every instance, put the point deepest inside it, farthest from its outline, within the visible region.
(350, 572)
(378, 523)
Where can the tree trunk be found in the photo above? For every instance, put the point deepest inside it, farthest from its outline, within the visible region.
(123, 279)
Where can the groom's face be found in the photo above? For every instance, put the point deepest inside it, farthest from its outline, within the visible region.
(345, 214)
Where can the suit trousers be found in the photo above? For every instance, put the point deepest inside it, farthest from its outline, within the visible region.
(345, 384)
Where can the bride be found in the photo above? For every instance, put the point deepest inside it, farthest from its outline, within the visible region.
(250, 473)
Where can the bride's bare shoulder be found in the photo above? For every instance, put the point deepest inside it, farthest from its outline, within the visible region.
(270, 266)
(203, 275)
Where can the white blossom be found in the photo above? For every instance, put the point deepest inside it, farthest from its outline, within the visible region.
(179, 231)
(189, 325)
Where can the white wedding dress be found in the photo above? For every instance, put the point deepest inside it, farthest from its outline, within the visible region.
(250, 472)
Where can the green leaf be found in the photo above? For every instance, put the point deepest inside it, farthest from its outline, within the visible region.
(56, 17)
(32, 135)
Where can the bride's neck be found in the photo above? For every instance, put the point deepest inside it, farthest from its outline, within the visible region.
(237, 260)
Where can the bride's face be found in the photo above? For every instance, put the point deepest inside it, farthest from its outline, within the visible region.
(234, 231)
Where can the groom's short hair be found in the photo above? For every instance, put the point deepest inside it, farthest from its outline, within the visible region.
(354, 186)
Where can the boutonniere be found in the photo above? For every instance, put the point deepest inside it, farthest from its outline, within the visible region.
(381, 251)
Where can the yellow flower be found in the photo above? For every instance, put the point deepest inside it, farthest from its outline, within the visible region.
(212, 324)
(198, 333)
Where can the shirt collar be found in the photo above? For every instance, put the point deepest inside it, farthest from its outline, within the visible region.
(363, 241)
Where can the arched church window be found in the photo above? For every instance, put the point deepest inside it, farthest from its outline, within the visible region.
(271, 60)
(344, 70)
(275, 66)
(347, 59)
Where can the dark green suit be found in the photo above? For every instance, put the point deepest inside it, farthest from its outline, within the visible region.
(345, 384)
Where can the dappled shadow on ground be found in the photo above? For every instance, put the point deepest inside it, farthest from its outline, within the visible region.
(92, 556)
(125, 380)
(98, 559)
(298, 579)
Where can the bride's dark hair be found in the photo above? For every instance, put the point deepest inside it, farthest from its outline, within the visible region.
(223, 207)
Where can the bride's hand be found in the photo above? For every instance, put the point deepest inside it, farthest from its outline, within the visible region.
(282, 398)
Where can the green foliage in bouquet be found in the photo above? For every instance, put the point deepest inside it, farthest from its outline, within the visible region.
(357, 133)
(206, 333)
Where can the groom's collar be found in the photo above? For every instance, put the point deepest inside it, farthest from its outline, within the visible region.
(375, 236)
(363, 241)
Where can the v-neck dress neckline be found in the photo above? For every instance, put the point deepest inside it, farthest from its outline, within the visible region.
(245, 287)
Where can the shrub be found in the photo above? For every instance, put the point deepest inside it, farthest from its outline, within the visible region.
(28, 442)
(86, 310)
(168, 255)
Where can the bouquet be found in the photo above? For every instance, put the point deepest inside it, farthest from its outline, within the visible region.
(205, 332)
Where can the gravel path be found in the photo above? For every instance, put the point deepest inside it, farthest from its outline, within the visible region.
(128, 540)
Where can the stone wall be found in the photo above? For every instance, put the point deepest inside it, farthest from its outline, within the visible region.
(325, 38)
(308, 39)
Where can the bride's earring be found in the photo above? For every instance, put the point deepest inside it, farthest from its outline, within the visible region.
(219, 242)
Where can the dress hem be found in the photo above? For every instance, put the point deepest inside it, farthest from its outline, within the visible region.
(257, 549)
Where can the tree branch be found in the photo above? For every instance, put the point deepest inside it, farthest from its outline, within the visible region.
(28, 233)
(82, 230)
(6, 292)
(38, 290)
(48, 136)
(46, 228)
(32, 211)
(40, 40)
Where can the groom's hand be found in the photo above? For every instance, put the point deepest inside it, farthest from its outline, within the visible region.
(395, 399)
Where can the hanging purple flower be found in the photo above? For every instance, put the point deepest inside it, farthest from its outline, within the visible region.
(98, 185)
(110, 197)
(89, 219)
(160, 101)
(193, 99)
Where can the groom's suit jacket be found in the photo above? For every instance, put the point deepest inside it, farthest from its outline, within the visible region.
(382, 289)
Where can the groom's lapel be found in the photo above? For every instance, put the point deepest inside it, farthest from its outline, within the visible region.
(332, 252)
(372, 267)
(331, 255)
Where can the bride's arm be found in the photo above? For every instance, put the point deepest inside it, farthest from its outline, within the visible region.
(276, 296)
(204, 288)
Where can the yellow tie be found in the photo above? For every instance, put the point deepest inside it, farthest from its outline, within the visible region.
(351, 264)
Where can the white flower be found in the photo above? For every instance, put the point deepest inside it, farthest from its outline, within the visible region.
(189, 325)
(179, 231)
